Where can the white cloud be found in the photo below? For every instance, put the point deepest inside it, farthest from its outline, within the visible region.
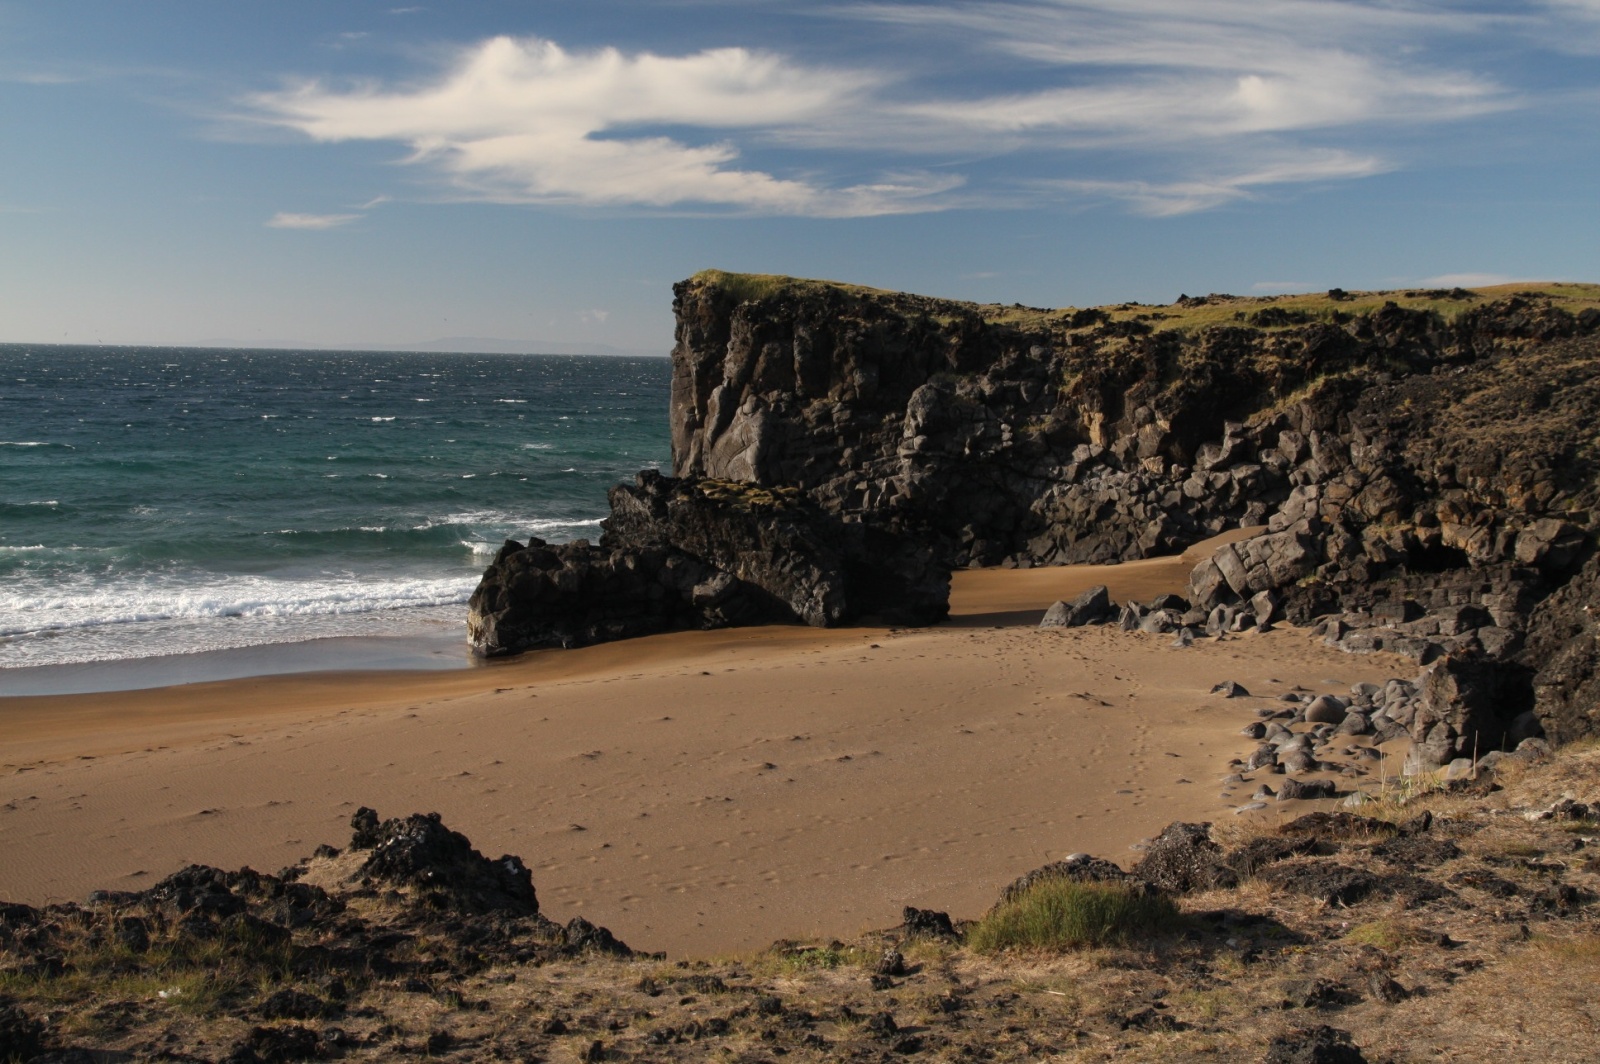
(1261, 92)
(1167, 199)
(291, 220)
(1172, 71)
(523, 120)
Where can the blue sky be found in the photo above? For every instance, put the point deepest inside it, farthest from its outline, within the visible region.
(368, 172)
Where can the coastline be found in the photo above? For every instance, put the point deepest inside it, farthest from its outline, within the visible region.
(697, 792)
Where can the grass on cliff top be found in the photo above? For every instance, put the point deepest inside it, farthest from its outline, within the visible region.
(1282, 311)
(1061, 914)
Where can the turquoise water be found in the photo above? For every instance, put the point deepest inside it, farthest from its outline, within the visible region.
(159, 501)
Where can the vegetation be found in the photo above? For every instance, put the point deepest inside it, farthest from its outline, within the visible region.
(1059, 914)
(1193, 313)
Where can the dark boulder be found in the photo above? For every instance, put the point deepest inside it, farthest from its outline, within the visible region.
(926, 922)
(704, 554)
(580, 936)
(444, 870)
(1183, 859)
(1079, 868)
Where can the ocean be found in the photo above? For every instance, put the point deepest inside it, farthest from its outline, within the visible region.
(178, 501)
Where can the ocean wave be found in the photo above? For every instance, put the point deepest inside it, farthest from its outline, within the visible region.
(52, 610)
(36, 443)
(380, 419)
(538, 447)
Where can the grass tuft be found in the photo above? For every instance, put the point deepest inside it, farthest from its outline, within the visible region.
(1061, 914)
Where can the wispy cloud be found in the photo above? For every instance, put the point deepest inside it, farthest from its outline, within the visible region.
(1161, 200)
(1223, 99)
(524, 120)
(1165, 71)
(291, 220)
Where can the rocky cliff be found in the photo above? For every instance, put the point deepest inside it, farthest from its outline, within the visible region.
(1422, 463)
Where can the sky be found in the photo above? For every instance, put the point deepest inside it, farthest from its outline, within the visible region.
(351, 172)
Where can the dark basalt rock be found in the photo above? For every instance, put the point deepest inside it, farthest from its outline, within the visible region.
(1079, 868)
(441, 865)
(1183, 859)
(581, 936)
(926, 922)
(703, 554)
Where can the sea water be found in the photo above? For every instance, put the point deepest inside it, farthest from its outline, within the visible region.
(164, 501)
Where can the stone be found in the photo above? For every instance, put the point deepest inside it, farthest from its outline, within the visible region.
(1326, 709)
(420, 853)
(926, 922)
(1230, 689)
(1267, 607)
(1183, 859)
(1385, 989)
(1293, 790)
(1160, 622)
(1091, 607)
(1298, 761)
(1076, 868)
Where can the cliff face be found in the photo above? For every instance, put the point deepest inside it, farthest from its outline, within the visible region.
(1422, 464)
(1047, 437)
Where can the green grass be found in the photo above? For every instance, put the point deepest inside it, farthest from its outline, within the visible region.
(1061, 914)
(1285, 311)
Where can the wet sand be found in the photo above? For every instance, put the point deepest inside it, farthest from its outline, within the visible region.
(695, 792)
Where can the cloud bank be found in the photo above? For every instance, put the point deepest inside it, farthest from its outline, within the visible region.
(1228, 98)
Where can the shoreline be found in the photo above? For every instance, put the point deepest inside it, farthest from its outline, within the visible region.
(698, 792)
(978, 597)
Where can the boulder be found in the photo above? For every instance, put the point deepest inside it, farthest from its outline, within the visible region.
(1091, 607)
(418, 852)
(704, 554)
(1183, 859)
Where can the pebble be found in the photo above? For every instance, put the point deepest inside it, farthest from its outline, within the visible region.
(1249, 807)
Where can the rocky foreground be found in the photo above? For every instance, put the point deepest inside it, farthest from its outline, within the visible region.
(1422, 920)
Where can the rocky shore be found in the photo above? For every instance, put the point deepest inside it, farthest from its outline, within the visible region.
(1420, 465)
(1406, 867)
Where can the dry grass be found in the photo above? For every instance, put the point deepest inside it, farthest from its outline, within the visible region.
(1061, 914)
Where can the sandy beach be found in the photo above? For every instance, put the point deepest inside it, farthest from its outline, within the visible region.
(696, 792)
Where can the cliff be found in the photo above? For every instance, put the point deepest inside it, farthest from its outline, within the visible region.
(1421, 462)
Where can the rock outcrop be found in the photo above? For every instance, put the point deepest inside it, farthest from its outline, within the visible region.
(1421, 467)
(703, 554)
